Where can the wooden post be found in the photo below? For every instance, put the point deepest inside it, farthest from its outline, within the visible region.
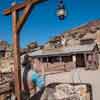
(85, 60)
(60, 59)
(47, 62)
(74, 60)
(16, 47)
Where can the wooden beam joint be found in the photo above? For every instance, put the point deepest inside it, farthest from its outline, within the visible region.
(21, 6)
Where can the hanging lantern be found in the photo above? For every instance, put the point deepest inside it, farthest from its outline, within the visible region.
(61, 13)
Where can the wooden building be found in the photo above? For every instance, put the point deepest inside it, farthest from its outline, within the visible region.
(69, 57)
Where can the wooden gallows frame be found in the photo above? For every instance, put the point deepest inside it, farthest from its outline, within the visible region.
(17, 24)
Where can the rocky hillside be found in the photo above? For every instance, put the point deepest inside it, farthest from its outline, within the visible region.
(86, 31)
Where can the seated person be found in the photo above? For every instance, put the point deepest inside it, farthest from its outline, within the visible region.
(31, 78)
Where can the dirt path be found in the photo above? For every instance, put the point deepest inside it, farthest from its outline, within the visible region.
(79, 75)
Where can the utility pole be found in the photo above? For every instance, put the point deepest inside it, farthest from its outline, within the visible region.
(17, 24)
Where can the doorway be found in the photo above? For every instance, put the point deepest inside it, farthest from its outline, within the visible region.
(80, 62)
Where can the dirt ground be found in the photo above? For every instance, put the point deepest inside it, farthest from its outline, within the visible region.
(78, 76)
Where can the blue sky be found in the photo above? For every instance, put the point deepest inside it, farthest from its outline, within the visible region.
(43, 23)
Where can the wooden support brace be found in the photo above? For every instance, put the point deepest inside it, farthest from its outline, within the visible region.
(23, 18)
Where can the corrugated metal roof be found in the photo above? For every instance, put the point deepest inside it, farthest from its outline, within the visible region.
(66, 50)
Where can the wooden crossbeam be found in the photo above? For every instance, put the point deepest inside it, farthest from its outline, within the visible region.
(20, 6)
